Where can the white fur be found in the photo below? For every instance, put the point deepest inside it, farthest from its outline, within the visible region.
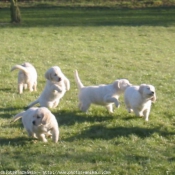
(105, 95)
(39, 123)
(56, 86)
(27, 77)
(139, 99)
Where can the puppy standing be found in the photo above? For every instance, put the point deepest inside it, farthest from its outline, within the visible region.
(56, 86)
(27, 77)
(139, 99)
(105, 95)
(39, 123)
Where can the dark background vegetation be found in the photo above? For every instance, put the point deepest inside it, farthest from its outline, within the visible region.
(108, 3)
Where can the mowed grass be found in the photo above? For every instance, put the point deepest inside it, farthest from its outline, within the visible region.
(103, 45)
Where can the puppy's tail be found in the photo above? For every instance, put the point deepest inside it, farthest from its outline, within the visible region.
(22, 68)
(18, 116)
(78, 81)
(33, 103)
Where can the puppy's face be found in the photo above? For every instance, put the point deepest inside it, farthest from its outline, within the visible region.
(148, 91)
(122, 84)
(54, 74)
(41, 117)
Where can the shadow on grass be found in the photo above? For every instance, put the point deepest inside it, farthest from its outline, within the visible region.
(10, 111)
(70, 118)
(5, 89)
(99, 131)
(15, 141)
(102, 132)
(92, 16)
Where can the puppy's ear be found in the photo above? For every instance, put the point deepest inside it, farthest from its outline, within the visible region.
(117, 84)
(48, 75)
(46, 117)
(142, 86)
(67, 83)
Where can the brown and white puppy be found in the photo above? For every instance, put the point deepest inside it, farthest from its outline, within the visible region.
(139, 99)
(39, 123)
(27, 77)
(105, 95)
(56, 86)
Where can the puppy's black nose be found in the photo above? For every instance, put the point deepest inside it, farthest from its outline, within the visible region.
(152, 92)
(59, 79)
(33, 122)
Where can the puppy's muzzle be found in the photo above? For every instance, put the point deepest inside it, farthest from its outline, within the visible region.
(152, 93)
(59, 79)
(33, 122)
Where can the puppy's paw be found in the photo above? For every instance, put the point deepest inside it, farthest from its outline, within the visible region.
(44, 140)
(117, 105)
(111, 112)
(130, 110)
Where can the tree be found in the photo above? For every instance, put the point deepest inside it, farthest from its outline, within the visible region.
(15, 12)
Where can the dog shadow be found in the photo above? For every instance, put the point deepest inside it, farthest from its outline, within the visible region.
(15, 141)
(5, 89)
(10, 111)
(70, 118)
(102, 132)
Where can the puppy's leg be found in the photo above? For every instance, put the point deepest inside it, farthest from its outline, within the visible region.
(137, 112)
(31, 134)
(57, 88)
(109, 99)
(84, 106)
(34, 86)
(50, 104)
(129, 109)
(25, 86)
(42, 137)
(30, 87)
(146, 114)
(110, 108)
(55, 103)
(55, 134)
(20, 88)
(49, 134)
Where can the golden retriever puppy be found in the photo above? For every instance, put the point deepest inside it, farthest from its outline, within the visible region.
(139, 99)
(105, 95)
(27, 77)
(39, 123)
(56, 86)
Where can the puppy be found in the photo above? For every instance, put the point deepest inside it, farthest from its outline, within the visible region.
(56, 86)
(139, 99)
(27, 77)
(39, 123)
(105, 95)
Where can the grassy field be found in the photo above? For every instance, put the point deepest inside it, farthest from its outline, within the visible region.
(103, 45)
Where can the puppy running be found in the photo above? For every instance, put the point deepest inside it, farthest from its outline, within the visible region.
(27, 77)
(139, 99)
(56, 86)
(105, 95)
(39, 123)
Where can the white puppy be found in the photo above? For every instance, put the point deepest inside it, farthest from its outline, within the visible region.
(139, 99)
(105, 95)
(27, 77)
(56, 86)
(39, 123)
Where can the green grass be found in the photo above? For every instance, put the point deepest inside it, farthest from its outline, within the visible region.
(103, 44)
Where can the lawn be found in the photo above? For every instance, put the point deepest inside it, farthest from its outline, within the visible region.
(103, 44)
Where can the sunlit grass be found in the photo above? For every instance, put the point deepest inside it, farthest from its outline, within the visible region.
(132, 45)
